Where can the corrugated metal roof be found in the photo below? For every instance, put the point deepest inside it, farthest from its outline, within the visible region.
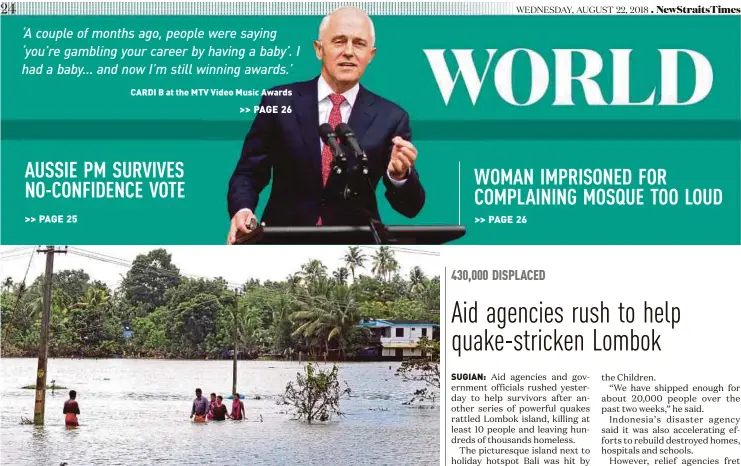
(378, 323)
(375, 324)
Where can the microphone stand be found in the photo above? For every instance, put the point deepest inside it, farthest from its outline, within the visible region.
(380, 233)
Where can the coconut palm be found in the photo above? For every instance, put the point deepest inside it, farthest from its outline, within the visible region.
(293, 281)
(33, 303)
(313, 271)
(393, 267)
(340, 275)
(281, 308)
(86, 319)
(354, 259)
(417, 280)
(324, 319)
(310, 317)
(384, 263)
(93, 297)
(246, 321)
(380, 261)
(344, 316)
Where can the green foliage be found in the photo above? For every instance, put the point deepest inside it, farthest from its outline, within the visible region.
(425, 370)
(146, 283)
(384, 263)
(358, 338)
(315, 395)
(48, 387)
(313, 311)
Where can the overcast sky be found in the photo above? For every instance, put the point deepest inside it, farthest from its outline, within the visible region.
(235, 264)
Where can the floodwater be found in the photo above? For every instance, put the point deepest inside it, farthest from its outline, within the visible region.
(136, 412)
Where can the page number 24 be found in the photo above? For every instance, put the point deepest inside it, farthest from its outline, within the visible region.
(7, 8)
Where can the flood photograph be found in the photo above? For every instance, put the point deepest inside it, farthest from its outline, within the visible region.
(203, 355)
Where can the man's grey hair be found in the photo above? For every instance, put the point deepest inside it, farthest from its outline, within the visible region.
(325, 22)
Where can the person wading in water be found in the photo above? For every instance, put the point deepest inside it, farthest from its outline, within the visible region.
(237, 408)
(71, 410)
(212, 404)
(219, 411)
(200, 407)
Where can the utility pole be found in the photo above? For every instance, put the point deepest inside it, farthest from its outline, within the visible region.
(38, 410)
(236, 338)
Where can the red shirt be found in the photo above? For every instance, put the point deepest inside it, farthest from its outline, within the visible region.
(71, 406)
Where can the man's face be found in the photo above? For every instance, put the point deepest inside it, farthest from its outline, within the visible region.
(346, 47)
(198, 394)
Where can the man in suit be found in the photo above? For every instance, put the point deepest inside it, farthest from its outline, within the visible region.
(287, 145)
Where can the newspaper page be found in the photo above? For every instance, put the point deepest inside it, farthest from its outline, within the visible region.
(370, 233)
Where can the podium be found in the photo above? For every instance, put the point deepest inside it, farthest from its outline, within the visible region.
(343, 235)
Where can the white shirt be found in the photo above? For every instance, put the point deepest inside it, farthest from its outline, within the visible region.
(325, 107)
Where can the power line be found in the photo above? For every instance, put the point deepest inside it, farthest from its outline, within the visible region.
(124, 263)
(15, 255)
(21, 290)
(28, 267)
(17, 249)
(423, 252)
(403, 250)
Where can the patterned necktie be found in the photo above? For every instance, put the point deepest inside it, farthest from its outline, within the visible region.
(335, 118)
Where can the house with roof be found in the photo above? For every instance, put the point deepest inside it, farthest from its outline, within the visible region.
(397, 339)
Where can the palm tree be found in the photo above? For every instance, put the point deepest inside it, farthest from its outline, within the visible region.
(323, 319)
(246, 321)
(417, 280)
(354, 259)
(281, 308)
(93, 297)
(393, 267)
(344, 316)
(310, 314)
(384, 263)
(293, 281)
(313, 271)
(87, 317)
(431, 294)
(34, 303)
(340, 275)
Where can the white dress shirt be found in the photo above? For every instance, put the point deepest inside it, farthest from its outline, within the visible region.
(325, 107)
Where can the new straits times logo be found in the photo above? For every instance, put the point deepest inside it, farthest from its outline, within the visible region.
(564, 76)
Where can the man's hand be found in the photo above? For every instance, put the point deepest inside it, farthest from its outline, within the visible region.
(403, 156)
(240, 222)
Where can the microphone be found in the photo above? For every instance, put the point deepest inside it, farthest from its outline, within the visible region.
(346, 133)
(330, 138)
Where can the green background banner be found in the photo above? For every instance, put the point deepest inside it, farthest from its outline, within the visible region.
(94, 117)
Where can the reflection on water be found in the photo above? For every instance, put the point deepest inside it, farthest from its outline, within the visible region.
(137, 412)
